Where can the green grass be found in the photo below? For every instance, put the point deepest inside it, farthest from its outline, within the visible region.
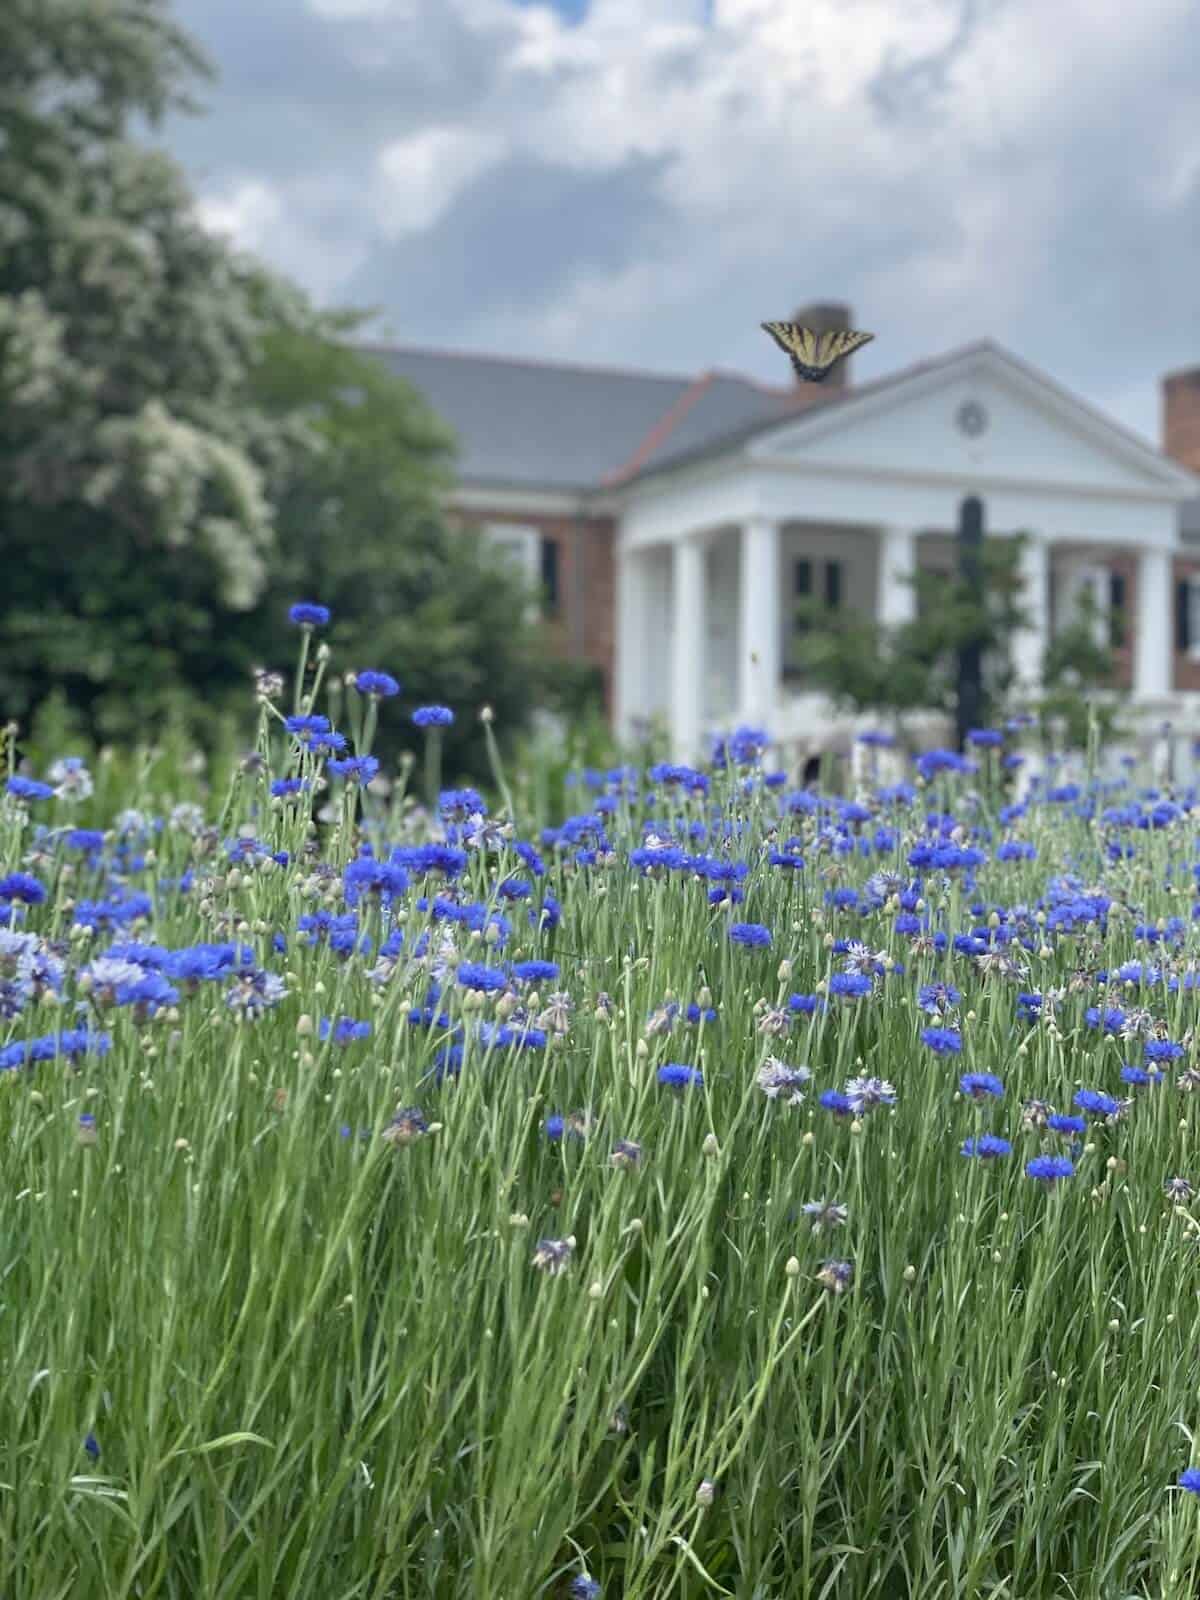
(318, 1364)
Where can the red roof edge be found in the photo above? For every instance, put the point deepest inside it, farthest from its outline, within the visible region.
(661, 431)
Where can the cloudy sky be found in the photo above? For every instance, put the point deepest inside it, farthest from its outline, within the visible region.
(641, 182)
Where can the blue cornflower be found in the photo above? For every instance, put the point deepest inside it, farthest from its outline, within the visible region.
(935, 998)
(21, 886)
(1049, 1169)
(365, 876)
(1099, 1104)
(584, 1588)
(985, 738)
(461, 803)
(474, 975)
(29, 788)
(805, 1004)
(935, 761)
(837, 1102)
(676, 1076)
(942, 1041)
(850, 985)
(749, 933)
(381, 684)
(308, 726)
(1064, 1125)
(1159, 1049)
(576, 1124)
(535, 971)
(986, 1147)
(345, 1030)
(355, 769)
(283, 788)
(1189, 1479)
(92, 1448)
(433, 717)
(1016, 850)
(85, 839)
(306, 614)
(1111, 1020)
(1138, 1075)
(979, 1085)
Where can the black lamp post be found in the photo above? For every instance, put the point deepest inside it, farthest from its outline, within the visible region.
(970, 654)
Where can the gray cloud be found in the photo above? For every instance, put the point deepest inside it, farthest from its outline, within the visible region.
(515, 238)
(638, 190)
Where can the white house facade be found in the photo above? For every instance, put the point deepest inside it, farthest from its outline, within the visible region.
(671, 524)
(842, 503)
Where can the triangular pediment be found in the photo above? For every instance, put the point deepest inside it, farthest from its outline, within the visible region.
(982, 414)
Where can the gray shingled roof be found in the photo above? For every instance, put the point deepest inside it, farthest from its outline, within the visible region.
(535, 425)
(565, 427)
(556, 427)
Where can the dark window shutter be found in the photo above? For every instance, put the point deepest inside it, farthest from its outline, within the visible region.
(1182, 619)
(1116, 610)
(833, 584)
(549, 576)
(803, 579)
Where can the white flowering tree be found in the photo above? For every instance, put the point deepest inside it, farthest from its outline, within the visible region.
(185, 444)
(127, 338)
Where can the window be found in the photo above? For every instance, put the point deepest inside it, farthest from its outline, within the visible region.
(1187, 616)
(831, 588)
(535, 557)
(820, 581)
(549, 576)
(1116, 610)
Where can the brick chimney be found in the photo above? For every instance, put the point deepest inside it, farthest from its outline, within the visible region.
(827, 316)
(1181, 417)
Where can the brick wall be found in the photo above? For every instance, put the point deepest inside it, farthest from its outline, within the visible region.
(585, 624)
(1181, 417)
(1181, 441)
(1125, 566)
(1187, 671)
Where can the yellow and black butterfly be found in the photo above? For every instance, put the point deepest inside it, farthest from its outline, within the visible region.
(814, 355)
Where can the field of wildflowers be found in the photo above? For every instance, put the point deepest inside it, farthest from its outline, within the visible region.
(721, 1189)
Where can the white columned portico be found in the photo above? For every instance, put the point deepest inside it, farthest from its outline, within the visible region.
(633, 639)
(689, 637)
(1029, 644)
(758, 619)
(896, 595)
(1155, 625)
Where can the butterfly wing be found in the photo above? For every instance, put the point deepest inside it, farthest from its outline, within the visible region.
(813, 355)
(832, 347)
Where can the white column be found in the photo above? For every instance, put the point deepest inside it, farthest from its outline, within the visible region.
(1029, 644)
(632, 640)
(759, 620)
(688, 641)
(1154, 644)
(896, 600)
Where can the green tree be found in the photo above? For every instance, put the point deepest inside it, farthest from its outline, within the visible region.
(867, 666)
(136, 481)
(185, 444)
(360, 528)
